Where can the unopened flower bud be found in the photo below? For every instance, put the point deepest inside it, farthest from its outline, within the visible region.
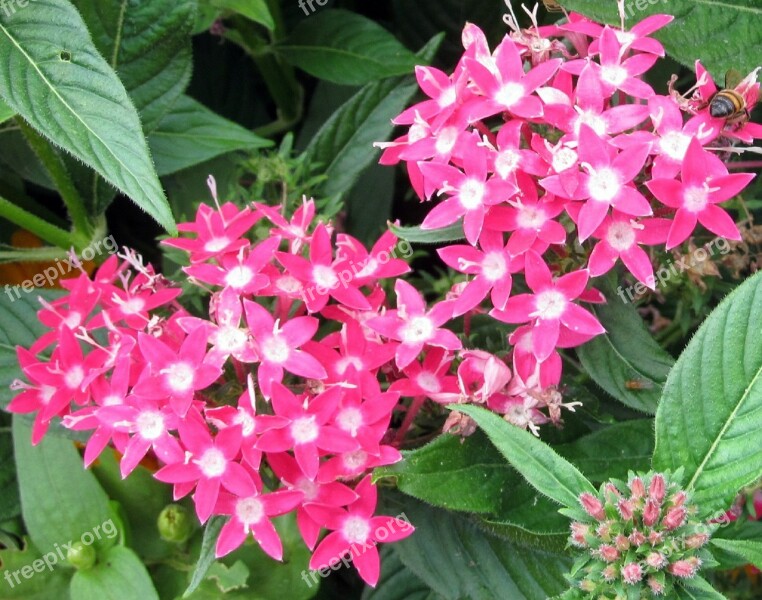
(626, 508)
(655, 538)
(657, 588)
(637, 488)
(592, 506)
(650, 514)
(678, 499)
(686, 568)
(657, 488)
(674, 518)
(579, 533)
(81, 556)
(656, 560)
(603, 531)
(696, 540)
(587, 586)
(608, 553)
(175, 523)
(609, 573)
(637, 538)
(632, 573)
(622, 543)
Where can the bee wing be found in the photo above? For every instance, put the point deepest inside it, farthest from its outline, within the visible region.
(732, 79)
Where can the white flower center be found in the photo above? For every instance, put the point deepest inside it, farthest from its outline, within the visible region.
(310, 488)
(355, 460)
(230, 339)
(112, 400)
(288, 284)
(150, 424)
(212, 463)
(592, 120)
(620, 236)
(510, 93)
(133, 306)
(349, 361)
(447, 97)
(325, 277)
(614, 74)
(350, 419)
(604, 185)
(216, 244)
(369, 268)
(507, 162)
(471, 194)
(494, 266)
(550, 305)
(73, 320)
(695, 199)
(249, 511)
(73, 377)
(239, 277)
(304, 430)
(531, 217)
(416, 330)
(356, 530)
(179, 376)
(417, 132)
(564, 158)
(446, 140)
(674, 144)
(428, 382)
(276, 350)
(246, 421)
(624, 37)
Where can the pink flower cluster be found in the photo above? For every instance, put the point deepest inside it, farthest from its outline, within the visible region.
(553, 142)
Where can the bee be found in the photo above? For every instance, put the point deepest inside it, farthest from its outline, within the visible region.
(728, 103)
(638, 384)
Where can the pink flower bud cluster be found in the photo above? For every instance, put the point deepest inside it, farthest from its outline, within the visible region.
(638, 539)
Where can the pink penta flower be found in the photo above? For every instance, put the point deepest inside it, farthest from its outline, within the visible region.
(278, 346)
(705, 182)
(445, 94)
(550, 307)
(505, 84)
(430, 378)
(307, 430)
(607, 181)
(620, 237)
(509, 158)
(210, 463)
(469, 193)
(176, 375)
(491, 267)
(413, 326)
(356, 532)
(634, 39)
(296, 230)
(251, 514)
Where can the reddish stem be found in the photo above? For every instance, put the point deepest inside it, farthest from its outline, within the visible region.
(746, 164)
(485, 130)
(412, 411)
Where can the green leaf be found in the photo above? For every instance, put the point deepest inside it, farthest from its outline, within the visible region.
(6, 112)
(346, 48)
(344, 143)
(709, 420)
(87, 110)
(206, 556)
(148, 45)
(626, 355)
(723, 33)
(119, 575)
(455, 473)
(540, 465)
(10, 504)
(61, 502)
(191, 134)
(397, 582)
(749, 550)
(613, 451)
(229, 578)
(451, 233)
(697, 588)
(41, 584)
(256, 10)
(458, 560)
(19, 326)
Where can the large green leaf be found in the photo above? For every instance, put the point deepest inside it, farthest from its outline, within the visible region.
(454, 473)
(6, 112)
(148, 45)
(709, 420)
(346, 48)
(43, 584)
(749, 550)
(451, 233)
(540, 465)
(256, 10)
(343, 145)
(724, 34)
(87, 110)
(19, 326)
(60, 500)
(206, 554)
(119, 575)
(10, 505)
(626, 361)
(458, 560)
(397, 582)
(191, 134)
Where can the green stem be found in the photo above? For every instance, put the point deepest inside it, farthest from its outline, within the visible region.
(40, 227)
(44, 254)
(56, 168)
